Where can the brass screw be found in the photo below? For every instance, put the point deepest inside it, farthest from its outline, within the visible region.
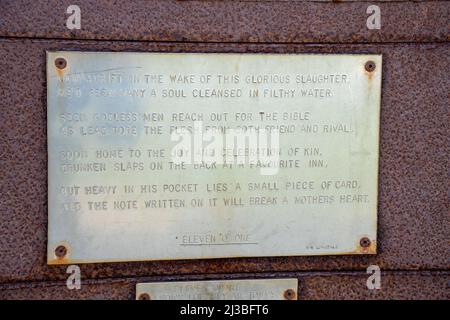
(289, 294)
(60, 251)
(60, 63)
(370, 66)
(144, 296)
(365, 242)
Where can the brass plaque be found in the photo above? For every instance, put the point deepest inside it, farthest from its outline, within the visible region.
(155, 156)
(261, 289)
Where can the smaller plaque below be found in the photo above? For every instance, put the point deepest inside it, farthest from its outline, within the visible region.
(263, 289)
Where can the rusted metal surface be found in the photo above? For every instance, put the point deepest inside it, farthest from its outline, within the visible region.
(289, 294)
(311, 286)
(370, 66)
(413, 182)
(228, 21)
(364, 242)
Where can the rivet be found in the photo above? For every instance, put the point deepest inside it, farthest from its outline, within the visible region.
(144, 296)
(365, 242)
(60, 63)
(370, 66)
(289, 294)
(60, 251)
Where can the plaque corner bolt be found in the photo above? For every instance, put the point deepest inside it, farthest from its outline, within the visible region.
(61, 251)
(370, 66)
(144, 296)
(60, 63)
(289, 294)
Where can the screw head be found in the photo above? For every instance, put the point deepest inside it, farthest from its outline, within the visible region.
(60, 251)
(289, 294)
(365, 242)
(60, 63)
(144, 296)
(370, 66)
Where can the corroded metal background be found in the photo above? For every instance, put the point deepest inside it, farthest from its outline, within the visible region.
(414, 151)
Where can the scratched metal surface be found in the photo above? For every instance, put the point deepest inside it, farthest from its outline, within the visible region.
(228, 21)
(413, 183)
(311, 286)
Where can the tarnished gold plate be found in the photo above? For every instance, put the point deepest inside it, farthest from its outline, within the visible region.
(189, 156)
(261, 289)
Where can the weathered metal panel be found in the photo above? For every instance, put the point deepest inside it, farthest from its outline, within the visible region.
(228, 21)
(107, 205)
(414, 148)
